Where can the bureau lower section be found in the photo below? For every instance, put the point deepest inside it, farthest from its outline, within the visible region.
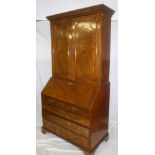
(65, 129)
(86, 127)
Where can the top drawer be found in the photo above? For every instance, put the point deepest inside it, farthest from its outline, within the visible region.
(65, 106)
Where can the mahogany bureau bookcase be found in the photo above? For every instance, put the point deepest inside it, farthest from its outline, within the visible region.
(75, 101)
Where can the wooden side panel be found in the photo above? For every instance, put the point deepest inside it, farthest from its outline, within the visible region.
(100, 116)
(61, 48)
(105, 57)
(86, 37)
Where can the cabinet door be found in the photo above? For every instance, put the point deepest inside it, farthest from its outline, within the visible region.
(86, 36)
(61, 48)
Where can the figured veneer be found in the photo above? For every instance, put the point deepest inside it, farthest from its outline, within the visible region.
(67, 134)
(75, 101)
(80, 130)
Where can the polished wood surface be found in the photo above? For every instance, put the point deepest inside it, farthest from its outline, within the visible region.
(67, 115)
(75, 101)
(76, 49)
(86, 54)
(67, 134)
(61, 61)
(100, 115)
(101, 8)
(52, 102)
(76, 93)
(83, 131)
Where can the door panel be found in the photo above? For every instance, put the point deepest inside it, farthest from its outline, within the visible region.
(61, 49)
(86, 40)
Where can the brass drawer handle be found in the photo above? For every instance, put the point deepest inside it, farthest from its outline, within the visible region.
(51, 101)
(73, 116)
(59, 104)
(74, 109)
(74, 127)
(74, 138)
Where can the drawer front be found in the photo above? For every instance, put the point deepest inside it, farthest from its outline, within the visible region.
(66, 124)
(66, 134)
(67, 115)
(65, 106)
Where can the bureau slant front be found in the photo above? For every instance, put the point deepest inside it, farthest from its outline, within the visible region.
(75, 101)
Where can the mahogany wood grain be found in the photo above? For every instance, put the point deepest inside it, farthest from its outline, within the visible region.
(77, 93)
(61, 61)
(66, 134)
(52, 102)
(100, 116)
(68, 116)
(85, 38)
(80, 130)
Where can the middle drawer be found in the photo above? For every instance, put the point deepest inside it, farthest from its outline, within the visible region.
(66, 124)
(49, 101)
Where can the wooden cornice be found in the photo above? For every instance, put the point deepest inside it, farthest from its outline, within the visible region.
(101, 8)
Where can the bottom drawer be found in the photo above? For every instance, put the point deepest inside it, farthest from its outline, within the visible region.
(68, 135)
(77, 129)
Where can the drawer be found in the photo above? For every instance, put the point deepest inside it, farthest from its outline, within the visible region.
(67, 115)
(66, 124)
(65, 106)
(66, 134)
